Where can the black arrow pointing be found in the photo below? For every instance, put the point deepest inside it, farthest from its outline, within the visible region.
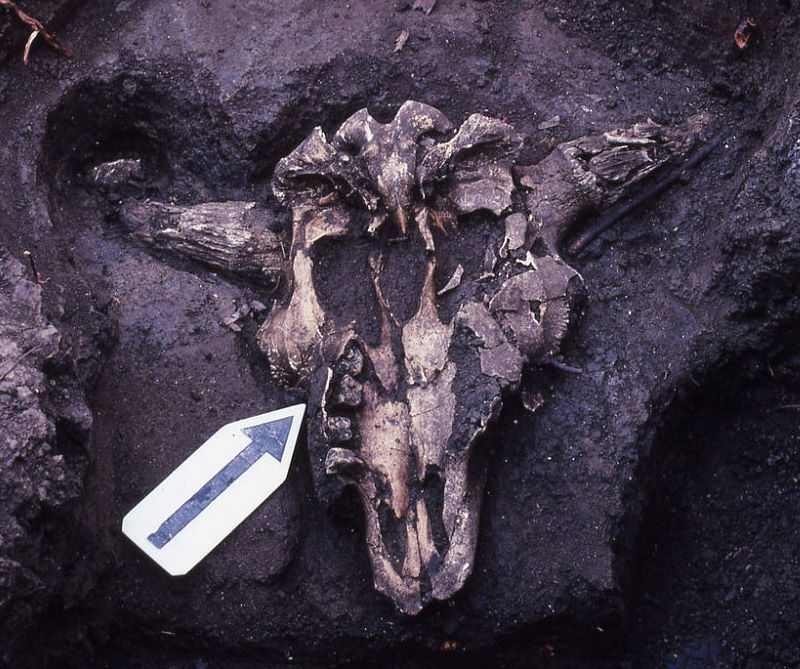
(267, 438)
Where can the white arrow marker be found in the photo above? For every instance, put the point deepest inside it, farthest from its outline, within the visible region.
(214, 489)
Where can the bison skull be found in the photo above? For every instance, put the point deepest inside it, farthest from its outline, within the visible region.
(420, 283)
(415, 301)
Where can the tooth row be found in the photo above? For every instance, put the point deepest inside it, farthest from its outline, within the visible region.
(347, 393)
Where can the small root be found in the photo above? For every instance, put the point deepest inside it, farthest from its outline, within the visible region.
(36, 29)
(30, 351)
(678, 174)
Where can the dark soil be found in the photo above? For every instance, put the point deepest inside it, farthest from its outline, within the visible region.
(643, 516)
(719, 524)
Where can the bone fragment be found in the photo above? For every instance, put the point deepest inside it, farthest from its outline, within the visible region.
(388, 152)
(411, 564)
(116, 173)
(531, 401)
(386, 366)
(425, 338)
(404, 592)
(454, 281)
(596, 171)
(518, 307)
(315, 169)
(431, 409)
(563, 287)
(232, 237)
(291, 337)
(427, 549)
(516, 230)
(478, 159)
(498, 357)
(384, 427)
(552, 122)
(487, 188)
(462, 503)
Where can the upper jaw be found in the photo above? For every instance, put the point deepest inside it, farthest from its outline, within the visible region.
(421, 501)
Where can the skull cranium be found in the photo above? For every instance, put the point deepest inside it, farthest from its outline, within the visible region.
(421, 282)
(406, 370)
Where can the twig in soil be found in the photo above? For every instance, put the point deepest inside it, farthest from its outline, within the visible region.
(561, 366)
(36, 275)
(788, 406)
(36, 29)
(33, 349)
(605, 222)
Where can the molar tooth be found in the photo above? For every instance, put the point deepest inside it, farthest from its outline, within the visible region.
(349, 393)
(339, 428)
(343, 461)
(351, 362)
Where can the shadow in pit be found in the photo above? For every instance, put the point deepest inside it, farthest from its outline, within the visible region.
(715, 581)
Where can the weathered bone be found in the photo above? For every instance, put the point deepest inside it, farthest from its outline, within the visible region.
(597, 170)
(400, 428)
(388, 151)
(396, 412)
(479, 159)
(233, 237)
(411, 435)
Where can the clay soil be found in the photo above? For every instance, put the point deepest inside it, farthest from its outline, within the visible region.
(645, 515)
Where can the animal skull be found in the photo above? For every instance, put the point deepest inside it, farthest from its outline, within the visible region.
(416, 299)
(420, 283)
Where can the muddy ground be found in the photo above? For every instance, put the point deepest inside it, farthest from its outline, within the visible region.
(645, 515)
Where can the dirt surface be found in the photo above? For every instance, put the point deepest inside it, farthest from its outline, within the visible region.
(644, 515)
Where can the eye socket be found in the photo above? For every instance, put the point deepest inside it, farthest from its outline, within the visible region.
(343, 284)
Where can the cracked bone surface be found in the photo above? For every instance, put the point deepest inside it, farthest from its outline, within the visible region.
(419, 285)
(405, 366)
(233, 237)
